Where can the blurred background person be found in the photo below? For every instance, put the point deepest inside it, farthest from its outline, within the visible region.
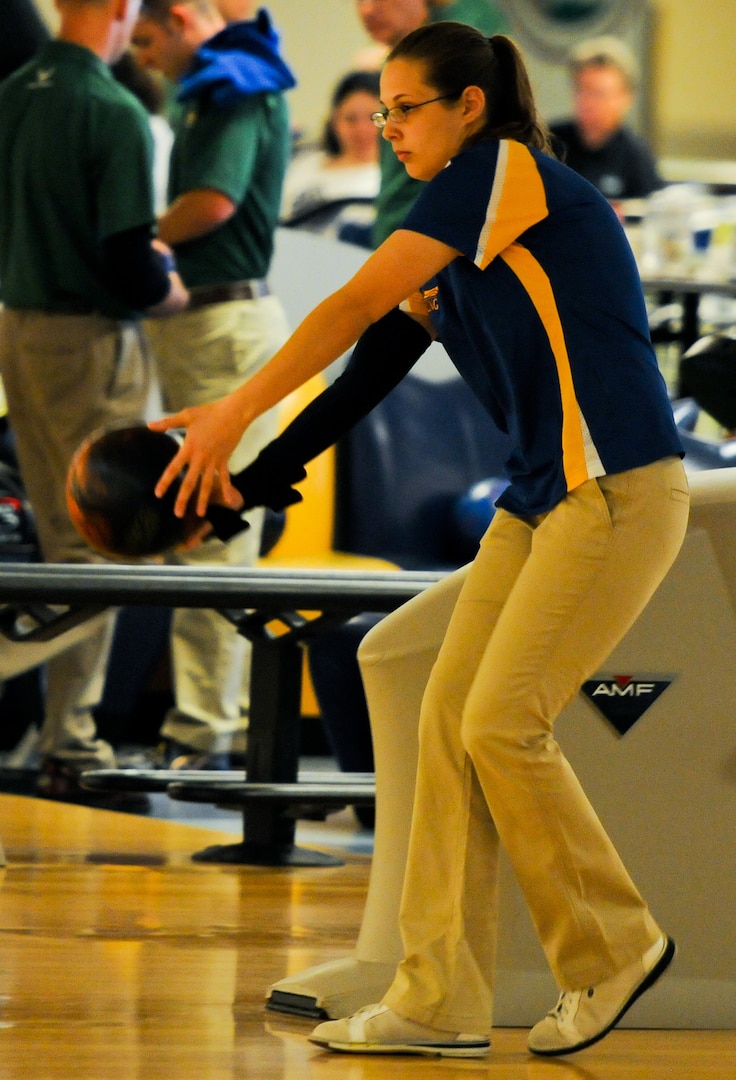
(24, 31)
(79, 268)
(387, 22)
(344, 170)
(21, 698)
(152, 94)
(230, 153)
(484, 15)
(236, 10)
(596, 142)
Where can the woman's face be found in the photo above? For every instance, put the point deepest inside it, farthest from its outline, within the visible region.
(429, 136)
(353, 128)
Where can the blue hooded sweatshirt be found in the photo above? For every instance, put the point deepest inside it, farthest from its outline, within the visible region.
(241, 60)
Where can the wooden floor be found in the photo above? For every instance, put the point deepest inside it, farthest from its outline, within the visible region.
(121, 959)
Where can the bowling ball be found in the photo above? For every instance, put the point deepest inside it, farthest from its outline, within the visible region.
(110, 493)
(708, 374)
(472, 513)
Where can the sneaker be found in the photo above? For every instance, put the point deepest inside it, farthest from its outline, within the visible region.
(59, 780)
(376, 1029)
(582, 1017)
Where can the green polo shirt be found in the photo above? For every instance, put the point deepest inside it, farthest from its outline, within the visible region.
(76, 158)
(484, 15)
(241, 151)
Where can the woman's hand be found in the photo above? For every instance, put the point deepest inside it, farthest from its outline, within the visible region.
(196, 538)
(396, 270)
(212, 433)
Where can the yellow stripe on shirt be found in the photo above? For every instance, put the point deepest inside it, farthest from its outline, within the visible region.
(517, 201)
(580, 459)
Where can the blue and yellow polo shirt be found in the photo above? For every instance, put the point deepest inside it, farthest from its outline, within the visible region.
(544, 317)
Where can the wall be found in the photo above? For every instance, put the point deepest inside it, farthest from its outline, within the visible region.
(320, 39)
(694, 99)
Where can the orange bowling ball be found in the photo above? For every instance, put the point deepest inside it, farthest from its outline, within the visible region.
(110, 494)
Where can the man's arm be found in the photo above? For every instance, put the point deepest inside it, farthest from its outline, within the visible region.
(194, 214)
(142, 272)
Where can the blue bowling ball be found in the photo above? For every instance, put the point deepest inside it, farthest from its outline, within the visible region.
(472, 514)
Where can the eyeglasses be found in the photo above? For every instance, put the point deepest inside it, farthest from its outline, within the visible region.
(399, 113)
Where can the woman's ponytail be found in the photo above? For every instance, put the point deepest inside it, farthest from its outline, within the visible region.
(512, 111)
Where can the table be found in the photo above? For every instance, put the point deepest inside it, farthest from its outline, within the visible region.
(689, 290)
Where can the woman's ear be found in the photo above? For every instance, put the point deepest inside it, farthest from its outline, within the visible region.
(474, 103)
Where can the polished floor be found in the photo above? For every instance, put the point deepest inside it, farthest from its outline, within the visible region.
(122, 959)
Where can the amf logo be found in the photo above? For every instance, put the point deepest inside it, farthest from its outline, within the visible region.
(623, 699)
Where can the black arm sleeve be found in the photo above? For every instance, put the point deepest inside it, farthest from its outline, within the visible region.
(383, 355)
(136, 272)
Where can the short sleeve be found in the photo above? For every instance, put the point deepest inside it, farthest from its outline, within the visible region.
(483, 201)
(221, 149)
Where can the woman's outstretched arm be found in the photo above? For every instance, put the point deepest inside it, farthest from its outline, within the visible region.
(395, 271)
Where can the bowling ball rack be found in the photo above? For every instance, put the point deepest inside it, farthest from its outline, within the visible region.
(277, 611)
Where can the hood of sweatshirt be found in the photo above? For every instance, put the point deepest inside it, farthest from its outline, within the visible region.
(240, 60)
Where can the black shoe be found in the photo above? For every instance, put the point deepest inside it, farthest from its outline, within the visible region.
(176, 755)
(59, 780)
(366, 816)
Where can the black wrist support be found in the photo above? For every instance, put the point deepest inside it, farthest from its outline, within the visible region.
(383, 355)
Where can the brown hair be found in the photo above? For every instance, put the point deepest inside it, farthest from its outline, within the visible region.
(456, 56)
(354, 82)
(609, 52)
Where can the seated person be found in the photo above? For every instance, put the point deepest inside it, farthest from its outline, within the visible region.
(596, 143)
(345, 167)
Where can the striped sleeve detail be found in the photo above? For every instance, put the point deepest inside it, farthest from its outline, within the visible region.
(517, 201)
(414, 304)
(580, 457)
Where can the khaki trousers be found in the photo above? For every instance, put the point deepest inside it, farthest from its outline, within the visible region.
(65, 376)
(542, 606)
(202, 355)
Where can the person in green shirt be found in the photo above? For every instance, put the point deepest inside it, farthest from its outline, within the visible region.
(231, 148)
(79, 269)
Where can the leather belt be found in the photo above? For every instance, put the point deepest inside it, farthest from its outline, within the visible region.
(202, 295)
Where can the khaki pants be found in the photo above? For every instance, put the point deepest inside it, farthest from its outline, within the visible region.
(202, 355)
(541, 608)
(65, 376)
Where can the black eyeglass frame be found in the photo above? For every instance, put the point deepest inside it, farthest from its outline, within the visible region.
(399, 113)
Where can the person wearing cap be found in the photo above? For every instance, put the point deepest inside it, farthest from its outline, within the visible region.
(596, 142)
